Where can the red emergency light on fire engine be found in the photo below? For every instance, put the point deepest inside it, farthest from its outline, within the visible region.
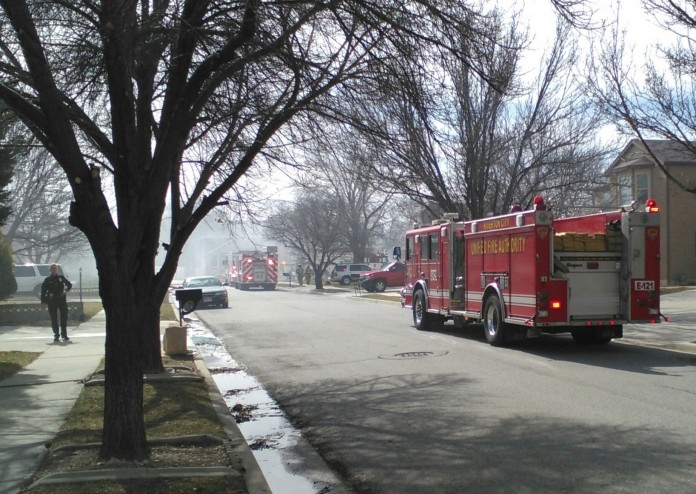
(651, 206)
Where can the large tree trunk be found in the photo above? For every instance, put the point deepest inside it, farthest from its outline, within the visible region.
(152, 344)
(123, 436)
(126, 290)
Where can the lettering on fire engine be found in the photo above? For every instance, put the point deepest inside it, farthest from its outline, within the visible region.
(498, 245)
(495, 224)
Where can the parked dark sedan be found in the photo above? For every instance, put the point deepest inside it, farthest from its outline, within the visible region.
(214, 293)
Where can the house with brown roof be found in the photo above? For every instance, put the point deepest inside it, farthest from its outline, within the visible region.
(635, 175)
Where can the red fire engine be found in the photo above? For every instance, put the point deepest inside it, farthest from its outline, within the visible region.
(256, 270)
(525, 273)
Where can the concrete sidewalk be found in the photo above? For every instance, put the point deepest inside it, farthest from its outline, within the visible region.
(36, 400)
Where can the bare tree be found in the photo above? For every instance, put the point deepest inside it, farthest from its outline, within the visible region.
(552, 141)
(577, 13)
(474, 145)
(341, 165)
(312, 227)
(38, 229)
(179, 100)
(7, 162)
(653, 100)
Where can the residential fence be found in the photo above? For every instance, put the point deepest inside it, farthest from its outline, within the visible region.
(16, 314)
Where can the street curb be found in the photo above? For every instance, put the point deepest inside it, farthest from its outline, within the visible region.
(681, 347)
(238, 447)
(134, 474)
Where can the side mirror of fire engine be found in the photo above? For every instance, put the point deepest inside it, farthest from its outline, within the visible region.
(397, 253)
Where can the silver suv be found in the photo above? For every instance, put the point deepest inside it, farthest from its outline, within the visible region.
(30, 277)
(345, 273)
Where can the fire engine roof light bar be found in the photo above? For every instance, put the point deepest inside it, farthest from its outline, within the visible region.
(539, 204)
(651, 206)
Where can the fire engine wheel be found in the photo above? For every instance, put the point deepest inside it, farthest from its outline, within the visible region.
(496, 329)
(421, 319)
(380, 285)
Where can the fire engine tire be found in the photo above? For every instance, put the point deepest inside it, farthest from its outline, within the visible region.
(243, 288)
(422, 320)
(493, 324)
(225, 305)
(380, 285)
(345, 280)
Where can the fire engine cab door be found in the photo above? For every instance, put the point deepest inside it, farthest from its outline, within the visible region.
(593, 284)
(443, 282)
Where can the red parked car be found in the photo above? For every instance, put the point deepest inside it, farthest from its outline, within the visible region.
(393, 274)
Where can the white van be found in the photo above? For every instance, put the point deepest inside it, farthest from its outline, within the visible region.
(30, 277)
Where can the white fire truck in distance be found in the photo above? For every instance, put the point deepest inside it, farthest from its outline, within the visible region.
(525, 273)
(255, 270)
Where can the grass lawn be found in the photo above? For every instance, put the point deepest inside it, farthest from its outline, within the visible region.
(13, 362)
(172, 408)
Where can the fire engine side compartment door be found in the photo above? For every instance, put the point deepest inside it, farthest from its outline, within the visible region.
(593, 284)
(642, 265)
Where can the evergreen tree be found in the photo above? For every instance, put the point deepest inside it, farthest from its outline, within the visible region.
(8, 284)
(6, 166)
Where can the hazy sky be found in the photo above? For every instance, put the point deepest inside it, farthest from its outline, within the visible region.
(641, 29)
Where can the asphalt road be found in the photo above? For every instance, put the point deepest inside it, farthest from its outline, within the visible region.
(394, 410)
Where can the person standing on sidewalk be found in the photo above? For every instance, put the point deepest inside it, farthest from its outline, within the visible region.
(53, 291)
(300, 274)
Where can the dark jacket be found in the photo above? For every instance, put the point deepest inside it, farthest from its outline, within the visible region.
(53, 288)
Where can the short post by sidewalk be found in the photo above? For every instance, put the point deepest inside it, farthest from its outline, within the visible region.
(81, 315)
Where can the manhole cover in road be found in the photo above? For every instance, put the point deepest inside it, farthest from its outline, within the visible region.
(412, 355)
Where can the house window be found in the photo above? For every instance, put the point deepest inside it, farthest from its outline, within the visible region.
(642, 187)
(625, 189)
